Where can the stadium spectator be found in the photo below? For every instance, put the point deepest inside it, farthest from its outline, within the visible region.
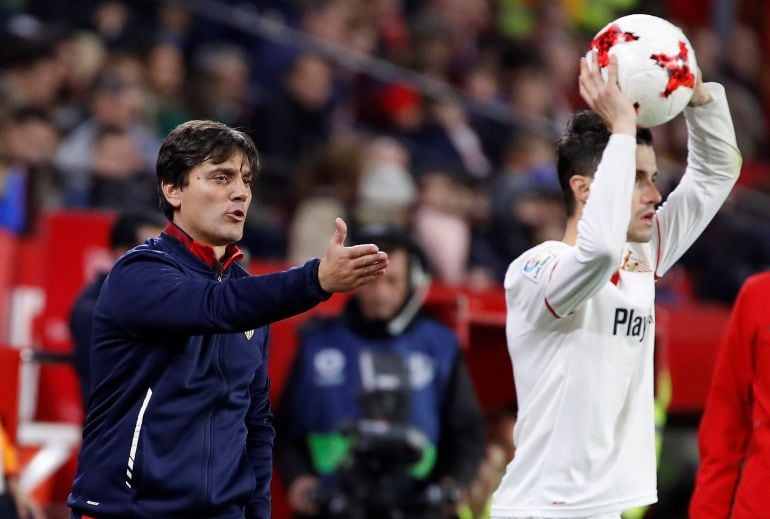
(386, 192)
(292, 127)
(327, 188)
(179, 351)
(29, 72)
(114, 102)
(118, 178)
(165, 71)
(442, 222)
(29, 183)
(323, 449)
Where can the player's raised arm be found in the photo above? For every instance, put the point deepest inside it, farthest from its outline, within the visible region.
(600, 208)
(713, 166)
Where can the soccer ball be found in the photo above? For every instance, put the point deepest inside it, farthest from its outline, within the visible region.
(656, 65)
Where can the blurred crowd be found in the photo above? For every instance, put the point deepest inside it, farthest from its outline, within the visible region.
(88, 89)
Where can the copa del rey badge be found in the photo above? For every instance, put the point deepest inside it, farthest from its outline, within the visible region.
(249, 334)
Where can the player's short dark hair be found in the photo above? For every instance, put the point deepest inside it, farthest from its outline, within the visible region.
(580, 150)
(193, 143)
(123, 233)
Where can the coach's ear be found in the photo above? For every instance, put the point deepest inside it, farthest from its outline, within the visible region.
(172, 195)
(581, 187)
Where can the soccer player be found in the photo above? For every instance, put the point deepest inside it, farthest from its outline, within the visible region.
(734, 434)
(179, 422)
(581, 322)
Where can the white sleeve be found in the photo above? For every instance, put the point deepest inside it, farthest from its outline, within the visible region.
(581, 272)
(713, 165)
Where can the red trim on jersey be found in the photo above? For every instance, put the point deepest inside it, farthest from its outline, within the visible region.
(615, 279)
(550, 309)
(204, 252)
(547, 304)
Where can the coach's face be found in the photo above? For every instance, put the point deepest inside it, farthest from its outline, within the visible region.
(646, 196)
(212, 207)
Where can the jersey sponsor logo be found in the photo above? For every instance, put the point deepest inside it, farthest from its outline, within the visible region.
(329, 367)
(631, 324)
(633, 263)
(249, 334)
(535, 266)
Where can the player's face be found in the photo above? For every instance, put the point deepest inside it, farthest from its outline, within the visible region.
(382, 298)
(212, 207)
(646, 196)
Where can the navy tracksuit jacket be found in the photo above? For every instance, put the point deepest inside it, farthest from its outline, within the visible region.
(179, 422)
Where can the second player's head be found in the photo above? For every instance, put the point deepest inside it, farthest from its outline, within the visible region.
(578, 155)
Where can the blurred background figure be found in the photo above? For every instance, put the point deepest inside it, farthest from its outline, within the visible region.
(118, 177)
(734, 432)
(442, 222)
(116, 103)
(129, 230)
(14, 502)
(29, 181)
(387, 192)
(380, 418)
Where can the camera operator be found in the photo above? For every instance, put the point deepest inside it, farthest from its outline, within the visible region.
(353, 441)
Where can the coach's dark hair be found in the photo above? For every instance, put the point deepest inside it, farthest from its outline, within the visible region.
(193, 143)
(580, 150)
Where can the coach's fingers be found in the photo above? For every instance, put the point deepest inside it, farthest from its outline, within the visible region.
(369, 259)
(340, 232)
(363, 250)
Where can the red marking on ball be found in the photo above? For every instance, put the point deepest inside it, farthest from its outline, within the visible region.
(678, 68)
(608, 39)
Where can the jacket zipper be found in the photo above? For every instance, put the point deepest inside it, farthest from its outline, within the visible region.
(212, 414)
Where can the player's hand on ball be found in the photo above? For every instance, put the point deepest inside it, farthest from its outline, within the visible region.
(605, 97)
(700, 95)
(346, 268)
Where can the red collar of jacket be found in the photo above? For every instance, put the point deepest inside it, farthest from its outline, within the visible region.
(204, 252)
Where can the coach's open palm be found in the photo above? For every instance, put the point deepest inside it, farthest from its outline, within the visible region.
(346, 268)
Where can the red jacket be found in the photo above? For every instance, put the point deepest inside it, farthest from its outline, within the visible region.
(734, 438)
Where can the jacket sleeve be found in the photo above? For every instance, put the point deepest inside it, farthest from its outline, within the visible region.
(148, 293)
(259, 441)
(291, 449)
(584, 270)
(725, 429)
(461, 445)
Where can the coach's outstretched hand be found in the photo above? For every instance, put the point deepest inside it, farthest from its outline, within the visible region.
(345, 268)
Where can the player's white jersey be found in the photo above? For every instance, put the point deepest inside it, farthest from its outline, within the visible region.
(581, 328)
